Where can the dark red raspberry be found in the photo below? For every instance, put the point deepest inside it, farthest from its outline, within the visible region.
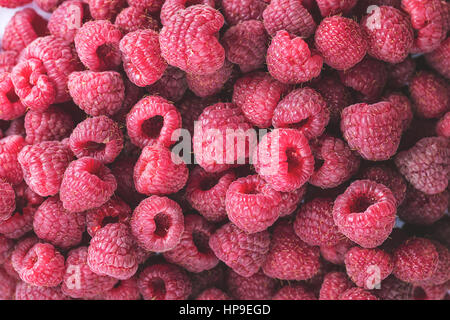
(157, 224)
(213, 294)
(7, 285)
(210, 84)
(10, 170)
(24, 27)
(403, 106)
(79, 281)
(332, 7)
(191, 107)
(393, 289)
(16, 127)
(171, 86)
(258, 94)
(133, 94)
(334, 284)
(242, 252)
(357, 294)
(131, 19)
(341, 42)
(336, 254)
(206, 193)
(153, 120)
(105, 9)
(153, 6)
(164, 282)
(257, 287)
(426, 165)
(200, 23)
(204, 280)
(284, 159)
(24, 291)
(10, 105)
(442, 274)
(439, 58)
(97, 45)
(123, 290)
(8, 60)
(43, 165)
(236, 11)
(115, 210)
(159, 171)
(122, 170)
(289, 15)
(13, 3)
(294, 292)
(290, 201)
(86, 184)
(6, 246)
(7, 200)
(400, 74)
(290, 258)
(68, 18)
(443, 126)
(430, 292)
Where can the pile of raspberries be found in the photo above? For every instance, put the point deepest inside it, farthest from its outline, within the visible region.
(344, 197)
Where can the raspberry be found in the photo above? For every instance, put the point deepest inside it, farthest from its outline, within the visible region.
(153, 120)
(159, 171)
(124, 290)
(430, 95)
(374, 130)
(131, 19)
(257, 287)
(193, 251)
(7, 200)
(403, 106)
(289, 15)
(191, 108)
(13, 3)
(204, 280)
(24, 27)
(213, 294)
(294, 292)
(164, 282)
(332, 7)
(153, 6)
(79, 281)
(10, 105)
(133, 94)
(171, 86)
(258, 94)
(6, 246)
(48, 5)
(97, 45)
(16, 127)
(393, 289)
(105, 9)
(439, 58)
(157, 224)
(8, 60)
(206, 193)
(334, 284)
(290, 201)
(242, 252)
(284, 159)
(290, 258)
(441, 230)
(442, 273)
(415, 260)
(210, 84)
(400, 74)
(115, 210)
(336, 254)
(67, 19)
(25, 291)
(7, 285)
(123, 172)
(335, 163)
(10, 170)
(236, 11)
(200, 23)
(246, 45)
(111, 252)
(426, 165)
(39, 264)
(357, 294)
(341, 42)
(213, 149)
(443, 126)
(86, 184)
(436, 292)
(43, 165)
(365, 213)
(251, 204)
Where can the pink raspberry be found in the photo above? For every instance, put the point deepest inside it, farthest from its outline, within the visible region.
(242, 252)
(423, 209)
(153, 6)
(374, 130)
(171, 86)
(131, 19)
(24, 291)
(68, 18)
(10, 105)
(105, 9)
(213, 294)
(341, 42)
(7, 200)
(48, 5)
(289, 15)
(6, 246)
(357, 294)
(206, 193)
(334, 284)
(258, 94)
(122, 170)
(236, 11)
(164, 282)
(426, 165)
(336, 254)
(332, 7)
(8, 60)
(365, 213)
(157, 224)
(16, 127)
(193, 252)
(159, 172)
(113, 211)
(442, 274)
(290, 201)
(257, 287)
(13, 3)
(172, 7)
(439, 58)
(400, 74)
(294, 292)
(443, 126)
(290, 258)
(403, 106)
(210, 84)
(200, 23)
(97, 45)
(86, 184)
(10, 170)
(123, 290)
(7, 285)
(284, 159)
(153, 120)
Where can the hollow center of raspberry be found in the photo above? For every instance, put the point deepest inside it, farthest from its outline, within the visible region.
(249, 189)
(207, 184)
(94, 147)
(361, 204)
(293, 160)
(12, 97)
(158, 288)
(152, 127)
(200, 240)
(162, 223)
(107, 52)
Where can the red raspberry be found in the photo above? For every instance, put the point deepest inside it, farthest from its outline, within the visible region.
(123, 290)
(39, 264)
(400, 74)
(48, 5)
(332, 7)
(251, 204)
(43, 165)
(153, 6)
(171, 86)
(191, 107)
(204, 280)
(210, 84)
(213, 294)
(284, 159)
(365, 213)
(164, 282)
(113, 211)
(246, 45)
(257, 287)
(289, 59)
(97, 45)
(393, 289)
(7, 200)
(105, 9)
(206, 193)
(79, 281)
(443, 126)
(157, 224)
(159, 171)
(341, 42)
(335, 163)
(16, 127)
(426, 165)
(258, 94)
(336, 254)
(436, 292)
(289, 15)
(10, 170)
(7, 285)
(67, 19)
(13, 3)
(6, 246)
(439, 58)
(334, 284)
(290, 258)
(86, 184)
(193, 251)
(236, 11)
(290, 201)
(111, 252)
(8, 60)
(153, 120)
(403, 106)
(430, 95)
(131, 19)
(374, 130)
(357, 294)
(10, 105)
(415, 260)
(294, 292)
(200, 23)
(123, 172)
(172, 7)
(442, 273)
(242, 252)
(25, 291)
(133, 94)
(24, 27)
